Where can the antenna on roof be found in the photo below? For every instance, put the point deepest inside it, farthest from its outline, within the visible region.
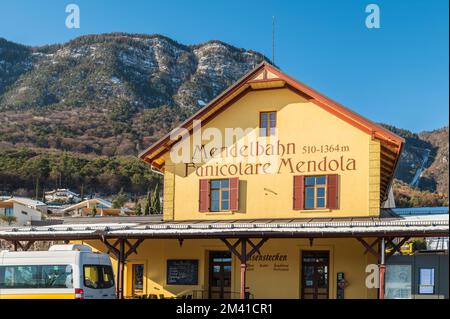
(273, 40)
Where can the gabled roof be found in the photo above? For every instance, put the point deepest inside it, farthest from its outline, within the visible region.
(61, 190)
(6, 204)
(89, 203)
(26, 201)
(266, 76)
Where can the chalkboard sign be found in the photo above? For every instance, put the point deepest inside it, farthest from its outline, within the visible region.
(182, 272)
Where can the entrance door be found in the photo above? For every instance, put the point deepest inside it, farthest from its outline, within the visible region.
(219, 275)
(137, 281)
(315, 268)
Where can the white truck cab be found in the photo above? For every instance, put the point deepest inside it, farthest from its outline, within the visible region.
(64, 271)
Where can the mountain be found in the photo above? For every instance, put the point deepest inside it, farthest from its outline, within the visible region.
(435, 176)
(100, 99)
(110, 94)
(424, 160)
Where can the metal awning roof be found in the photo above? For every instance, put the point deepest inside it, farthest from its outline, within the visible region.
(388, 225)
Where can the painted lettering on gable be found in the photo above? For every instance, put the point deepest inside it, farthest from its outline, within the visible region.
(276, 158)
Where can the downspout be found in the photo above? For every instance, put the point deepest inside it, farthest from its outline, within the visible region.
(382, 268)
(156, 171)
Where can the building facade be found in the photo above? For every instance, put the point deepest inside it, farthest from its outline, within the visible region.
(293, 154)
(23, 214)
(62, 196)
(272, 190)
(304, 160)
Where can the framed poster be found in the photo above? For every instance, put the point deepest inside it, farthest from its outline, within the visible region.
(398, 282)
(182, 272)
(426, 281)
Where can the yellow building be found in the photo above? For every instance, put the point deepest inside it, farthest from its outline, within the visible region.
(272, 190)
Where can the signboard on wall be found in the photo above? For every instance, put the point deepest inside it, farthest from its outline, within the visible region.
(274, 261)
(182, 272)
(426, 281)
(398, 282)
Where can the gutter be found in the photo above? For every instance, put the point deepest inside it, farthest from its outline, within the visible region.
(155, 170)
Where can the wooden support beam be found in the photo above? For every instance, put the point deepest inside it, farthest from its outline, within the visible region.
(19, 244)
(256, 247)
(243, 267)
(388, 153)
(23, 246)
(243, 256)
(28, 245)
(232, 247)
(369, 248)
(372, 245)
(133, 248)
(111, 248)
(387, 160)
(387, 172)
(396, 248)
(120, 268)
(121, 254)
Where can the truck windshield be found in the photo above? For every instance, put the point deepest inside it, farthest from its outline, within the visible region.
(98, 276)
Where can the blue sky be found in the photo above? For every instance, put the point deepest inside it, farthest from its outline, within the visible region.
(397, 74)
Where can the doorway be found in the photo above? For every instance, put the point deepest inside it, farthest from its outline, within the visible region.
(315, 274)
(219, 275)
(137, 281)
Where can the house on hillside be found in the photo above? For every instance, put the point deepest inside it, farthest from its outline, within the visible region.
(30, 203)
(22, 213)
(62, 196)
(86, 208)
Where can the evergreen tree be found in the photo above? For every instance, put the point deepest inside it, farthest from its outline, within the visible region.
(155, 201)
(82, 192)
(138, 209)
(37, 188)
(94, 211)
(120, 199)
(147, 204)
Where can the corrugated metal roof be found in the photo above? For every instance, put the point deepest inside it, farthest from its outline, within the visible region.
(420, 211)
(154, 227)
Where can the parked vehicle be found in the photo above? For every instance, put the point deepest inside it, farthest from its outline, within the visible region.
(62, 272)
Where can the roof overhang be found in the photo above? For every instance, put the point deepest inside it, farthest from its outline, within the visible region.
(437, 226)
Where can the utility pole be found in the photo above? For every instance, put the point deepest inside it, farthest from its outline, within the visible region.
(37, 188)
(273, 40)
